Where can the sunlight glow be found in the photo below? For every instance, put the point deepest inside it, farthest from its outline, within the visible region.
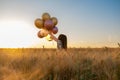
(15, 33)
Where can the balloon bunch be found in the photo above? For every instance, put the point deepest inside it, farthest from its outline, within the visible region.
(46, 25)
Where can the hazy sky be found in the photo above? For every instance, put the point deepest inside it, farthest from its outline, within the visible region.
(93, 23)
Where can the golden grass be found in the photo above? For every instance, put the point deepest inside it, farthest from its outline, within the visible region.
(52, 64)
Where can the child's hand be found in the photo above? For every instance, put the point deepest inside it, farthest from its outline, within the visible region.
(52, 36)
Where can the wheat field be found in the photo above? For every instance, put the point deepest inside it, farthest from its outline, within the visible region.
(52, 64)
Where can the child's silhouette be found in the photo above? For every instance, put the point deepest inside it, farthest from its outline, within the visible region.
(61, 41)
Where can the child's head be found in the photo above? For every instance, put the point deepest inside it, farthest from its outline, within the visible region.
(63, 39)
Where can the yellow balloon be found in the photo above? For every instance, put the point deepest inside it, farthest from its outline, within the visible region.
(45, 16)
(54, 20)
(39, 23)
(48, 38)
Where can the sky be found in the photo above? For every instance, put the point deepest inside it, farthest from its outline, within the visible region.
(87, 23)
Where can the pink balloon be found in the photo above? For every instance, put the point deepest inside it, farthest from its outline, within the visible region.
(48, 24)
(55, 30)
(39, 34)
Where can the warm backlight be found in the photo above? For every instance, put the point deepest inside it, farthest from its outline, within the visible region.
(15, 34)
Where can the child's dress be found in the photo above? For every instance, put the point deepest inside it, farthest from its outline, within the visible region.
(59, 44)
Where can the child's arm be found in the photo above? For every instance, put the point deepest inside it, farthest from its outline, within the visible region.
(53, 37)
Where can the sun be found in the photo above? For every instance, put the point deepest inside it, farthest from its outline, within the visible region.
(16, 33)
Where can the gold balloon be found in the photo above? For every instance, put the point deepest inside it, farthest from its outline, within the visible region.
(54, 20)
(45, 16)
(39, 23)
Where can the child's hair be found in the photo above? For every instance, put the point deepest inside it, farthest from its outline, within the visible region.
(63, 39)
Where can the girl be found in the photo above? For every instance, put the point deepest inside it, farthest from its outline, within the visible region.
(61, 41)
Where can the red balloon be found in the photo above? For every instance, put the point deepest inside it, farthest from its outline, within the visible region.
(55, 30)
(40, 35)
(48, 24)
